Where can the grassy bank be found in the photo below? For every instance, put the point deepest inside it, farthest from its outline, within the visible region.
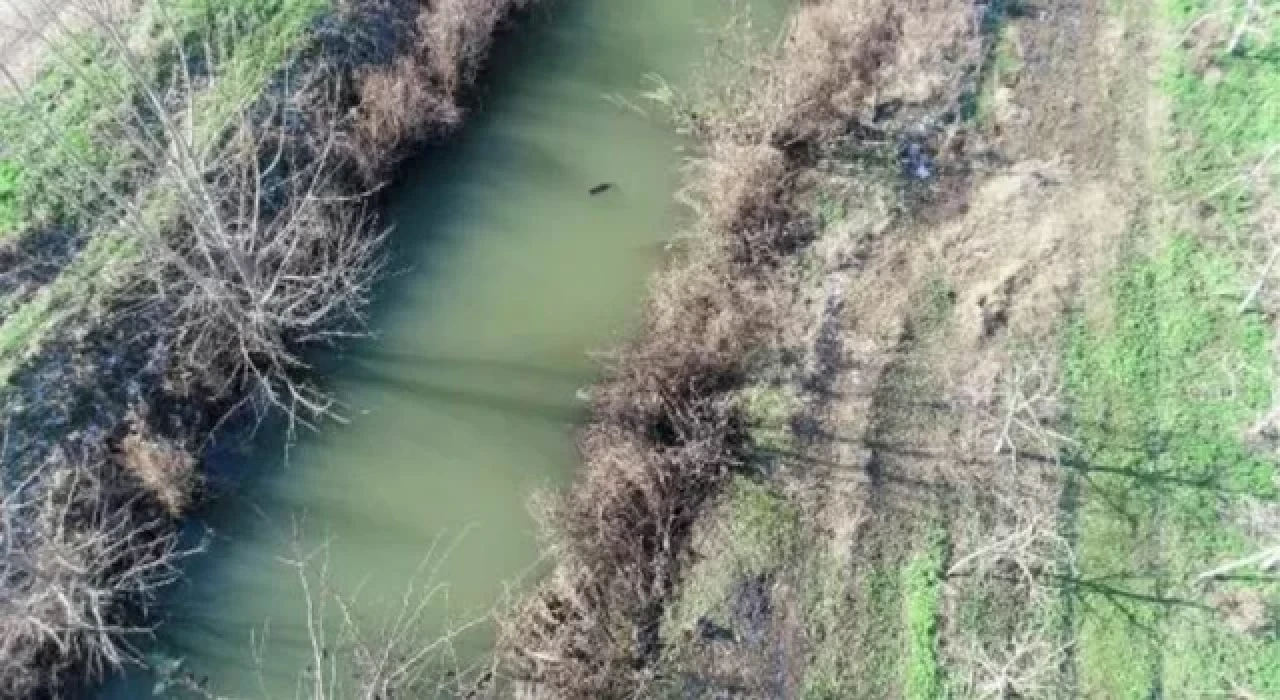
(1163, 395)
(205, 173)
(84, 141)
(1169, 384)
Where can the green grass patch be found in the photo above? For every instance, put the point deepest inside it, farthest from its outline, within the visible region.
(827, 610)
(880, 638)
(831, 210)
(921, 604)
(874, 635)
(71, 139)
(769, 410)
(1163, 389)
(1001, 64)
(252, 42)
(1226, 114)
(1001, 70)
(71, 152)
(934, 305)
(752, 532)
(11, 181)
(66, 146)
(77, 288)
(1160, 393)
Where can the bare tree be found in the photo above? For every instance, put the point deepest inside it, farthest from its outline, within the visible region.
(406, 651)
(275, 259)
(1017, 552)
(1029, 395)
(1023, 560)
(79, 545)
(255, 239)
(1260, 521)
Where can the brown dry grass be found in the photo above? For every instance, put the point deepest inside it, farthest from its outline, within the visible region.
(167, 470)
(418, 95)
(397, 106)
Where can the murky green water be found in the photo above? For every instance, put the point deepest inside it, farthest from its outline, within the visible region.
(510, 274)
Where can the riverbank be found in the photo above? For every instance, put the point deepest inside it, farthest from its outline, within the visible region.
(194, 211)
(962, 386)
(840, 121)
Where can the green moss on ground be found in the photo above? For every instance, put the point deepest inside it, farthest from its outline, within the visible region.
(875, 635)
(1225, 106)
(922, 603)
(827, 604)
(86, 110)
(769, 411)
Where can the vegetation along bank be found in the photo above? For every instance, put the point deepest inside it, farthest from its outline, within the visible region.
(188, 202)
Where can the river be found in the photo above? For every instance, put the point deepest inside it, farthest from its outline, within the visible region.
(506, 274)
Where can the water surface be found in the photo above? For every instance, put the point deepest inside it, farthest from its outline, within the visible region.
(509, 275)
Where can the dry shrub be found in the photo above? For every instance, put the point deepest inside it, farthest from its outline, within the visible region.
(833, 54)
(274, 252)
(840, 59)
(1021, 561)
(935, 35)
(763, 116)
(1246, 611)
(739, 191)
(398, 106)
(417, 95)
(664, 435)
(902, 53)
(456, 36)
(593, 630)
(388, 656)
(277, 251)
(1013, 551)
(81, 553)
(165, 469)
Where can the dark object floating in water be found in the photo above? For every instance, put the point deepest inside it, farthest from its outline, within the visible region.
(601, 188)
